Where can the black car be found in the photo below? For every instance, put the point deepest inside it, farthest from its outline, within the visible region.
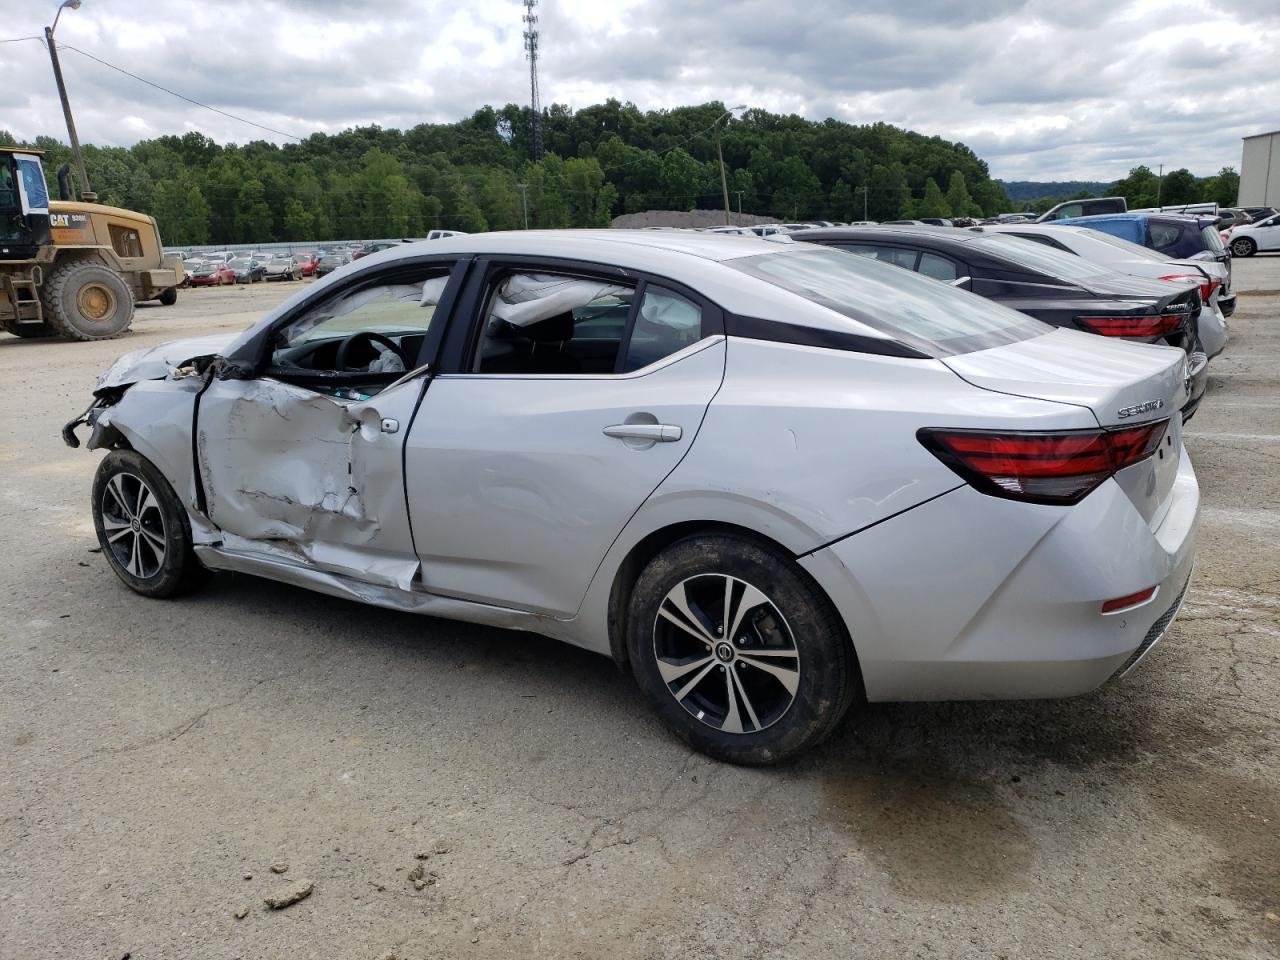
(248, 270)
(1050, 285)
(330, 263)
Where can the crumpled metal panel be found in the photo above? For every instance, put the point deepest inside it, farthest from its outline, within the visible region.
(158, 362)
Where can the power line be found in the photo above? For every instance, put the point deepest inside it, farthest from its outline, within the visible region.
(173, 93)
(20, 39)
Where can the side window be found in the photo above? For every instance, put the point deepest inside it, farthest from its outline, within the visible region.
(1163, 235)
(665, 324)
(940, 268)
(545, 323)
(894, 255)
(378, 327)
(125, 241)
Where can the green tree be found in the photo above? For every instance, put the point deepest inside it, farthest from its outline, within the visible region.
(299, 222)
(252, 216)
(959, 203)
(1180, 186)
(933, 203)
(1224, 189)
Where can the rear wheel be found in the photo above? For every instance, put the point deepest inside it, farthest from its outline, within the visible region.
(741, 656)
(142, 527)
(169, 297)
(87, 301)
(1244, 247)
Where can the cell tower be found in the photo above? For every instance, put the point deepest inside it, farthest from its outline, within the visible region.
(531, 51)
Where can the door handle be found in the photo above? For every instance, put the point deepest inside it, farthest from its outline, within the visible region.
(653, 432)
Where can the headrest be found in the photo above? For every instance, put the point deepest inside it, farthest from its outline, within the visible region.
(550, 330)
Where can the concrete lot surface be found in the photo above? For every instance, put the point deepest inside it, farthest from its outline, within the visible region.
(159, 757)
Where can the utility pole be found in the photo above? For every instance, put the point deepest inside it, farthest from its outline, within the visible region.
(1159, 184)
(524, 202)
(864, 202)
(724, 183)
(86, 192)
(739, 193)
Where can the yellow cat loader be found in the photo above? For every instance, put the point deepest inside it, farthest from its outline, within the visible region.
(72, 269)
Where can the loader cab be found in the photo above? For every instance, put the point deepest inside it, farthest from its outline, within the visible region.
(24, 204)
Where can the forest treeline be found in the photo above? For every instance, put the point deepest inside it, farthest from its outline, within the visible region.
(479, 174)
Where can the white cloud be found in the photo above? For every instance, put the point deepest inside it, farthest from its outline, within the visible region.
(1039, 88)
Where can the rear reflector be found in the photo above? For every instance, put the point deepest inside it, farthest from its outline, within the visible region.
(1155, 326)
(1130, 600)
(1061, 467)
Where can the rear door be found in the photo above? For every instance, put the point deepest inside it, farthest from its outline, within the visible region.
(564, 401)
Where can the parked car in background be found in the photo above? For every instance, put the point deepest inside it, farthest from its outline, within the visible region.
(1129, 258)
(1260, 213)
(374, 246)
(767, 229)
(247, 269)
(332, 262)
(1249, 238)
(189, 266)
(306, 263)
(1083, 208)
(441, 234)
(282, 267)
(1176, 237)
(1055, 287)
(937, 221)
(602, 455)
(212, 273)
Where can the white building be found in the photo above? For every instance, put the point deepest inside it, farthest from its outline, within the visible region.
(1260, 171)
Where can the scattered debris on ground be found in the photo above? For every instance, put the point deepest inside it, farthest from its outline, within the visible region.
(300, 890)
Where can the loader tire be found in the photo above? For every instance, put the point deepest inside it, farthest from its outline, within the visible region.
(28, 331)
(169, 297)
(87, 301)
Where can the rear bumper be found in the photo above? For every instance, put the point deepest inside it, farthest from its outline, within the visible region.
(970, 597)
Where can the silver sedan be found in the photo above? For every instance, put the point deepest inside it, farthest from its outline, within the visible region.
(770, 480)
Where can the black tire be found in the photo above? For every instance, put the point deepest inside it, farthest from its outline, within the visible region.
(149, 549)
(795, 624)
(169, 297)
(87, 301)
(28, 331)
(1243, 247)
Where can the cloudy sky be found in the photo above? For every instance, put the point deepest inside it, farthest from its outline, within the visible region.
(1041, 89)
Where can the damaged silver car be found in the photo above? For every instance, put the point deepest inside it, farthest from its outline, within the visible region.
(769, 480)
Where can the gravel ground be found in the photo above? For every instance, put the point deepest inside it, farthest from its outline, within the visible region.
(160, 757)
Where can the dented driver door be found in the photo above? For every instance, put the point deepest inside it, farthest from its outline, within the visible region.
(299, 476)
(303, 463)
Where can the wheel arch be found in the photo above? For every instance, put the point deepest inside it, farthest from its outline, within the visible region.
(654, 542)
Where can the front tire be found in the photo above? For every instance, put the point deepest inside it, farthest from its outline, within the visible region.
(169, 297)
(87, 301)
(739, 653)
(1244, 247)
(142, 527)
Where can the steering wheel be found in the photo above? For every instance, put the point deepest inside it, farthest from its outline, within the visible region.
(343, 348)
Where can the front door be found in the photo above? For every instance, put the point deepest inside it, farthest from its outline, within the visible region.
(577, 399)
(304, 463)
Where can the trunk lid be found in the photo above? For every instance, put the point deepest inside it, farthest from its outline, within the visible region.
(1123, 383)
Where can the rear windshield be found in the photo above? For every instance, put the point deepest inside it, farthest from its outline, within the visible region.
(1038, 258)
(933, 317)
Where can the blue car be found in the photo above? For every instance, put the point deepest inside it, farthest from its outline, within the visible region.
(1175, 236)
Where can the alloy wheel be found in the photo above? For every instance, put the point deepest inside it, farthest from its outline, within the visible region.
(726, 654)
(134, 525)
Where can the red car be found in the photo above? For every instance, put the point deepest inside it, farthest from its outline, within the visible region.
(306, 263)
(212, 274)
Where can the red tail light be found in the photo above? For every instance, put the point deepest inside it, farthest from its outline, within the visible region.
(1154, 326)
(1060, 468)
(1129, 600)
(1206, 286)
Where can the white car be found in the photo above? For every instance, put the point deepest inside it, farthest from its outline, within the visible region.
(1246, 239)
(1138, 261)
(770, 480)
